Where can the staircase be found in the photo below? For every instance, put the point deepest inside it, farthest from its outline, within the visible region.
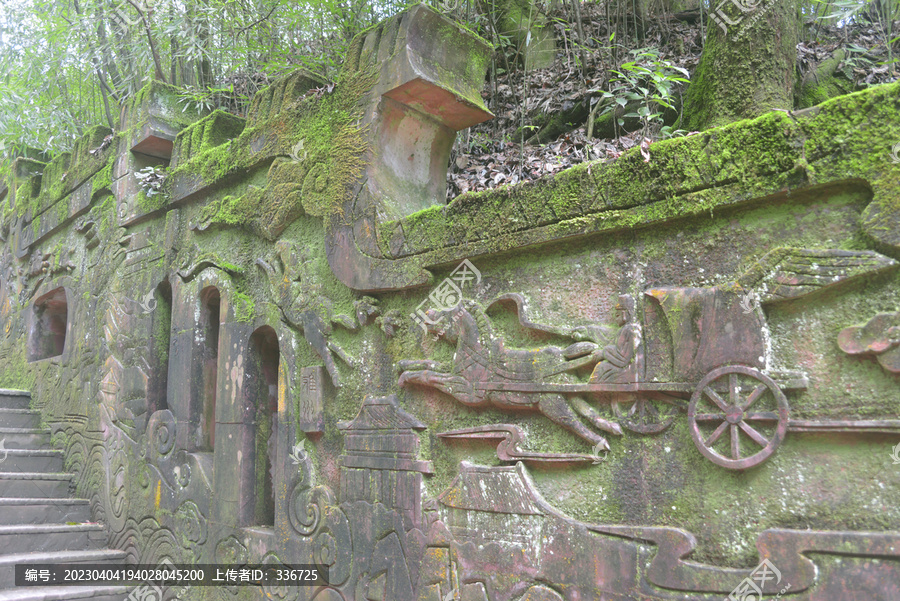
(39, 521)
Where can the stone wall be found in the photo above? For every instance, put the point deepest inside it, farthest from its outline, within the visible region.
(637, 380)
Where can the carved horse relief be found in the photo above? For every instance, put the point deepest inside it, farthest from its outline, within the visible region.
(702, 351)
(482, 360)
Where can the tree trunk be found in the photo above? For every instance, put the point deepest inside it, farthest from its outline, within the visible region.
(748, 63)
(823, 82)
(204, 66)
(628, 19)
(123, 52)
(109, 65)
(526, 26)
(151, 42)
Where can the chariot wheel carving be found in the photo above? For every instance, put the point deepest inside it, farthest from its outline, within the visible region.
(738, 416)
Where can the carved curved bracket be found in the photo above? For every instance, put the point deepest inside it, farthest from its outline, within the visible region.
(880, 337)
(881, 218)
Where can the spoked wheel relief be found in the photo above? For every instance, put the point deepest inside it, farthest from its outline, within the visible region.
(738, 416)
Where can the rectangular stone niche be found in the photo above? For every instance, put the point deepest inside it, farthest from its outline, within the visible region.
(49, 324)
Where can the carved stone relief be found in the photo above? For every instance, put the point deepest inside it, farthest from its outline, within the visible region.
(716, 358)
(879, 337)
(520, 451)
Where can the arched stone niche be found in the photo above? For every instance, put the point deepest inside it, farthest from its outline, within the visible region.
(258, 443)
(48, 325)
(208, 329)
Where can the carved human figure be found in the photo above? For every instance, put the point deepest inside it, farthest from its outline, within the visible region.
(619, 363)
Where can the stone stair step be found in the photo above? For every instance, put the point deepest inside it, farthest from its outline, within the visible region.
(39, 523)
(25, 538)
(31, 460)
(25, 438)
(8, 562)
(15, 399)
(19, 418)
(66, 593)
(34, 485)
(43, 511)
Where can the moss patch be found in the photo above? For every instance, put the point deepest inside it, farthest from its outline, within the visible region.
(685, 176)
(244, 307)
(317, 132)
(16, 374)
(211, 131)
(65, 172)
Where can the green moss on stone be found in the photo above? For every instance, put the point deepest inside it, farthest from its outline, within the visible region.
(244, 307)
(102, 180)
(684, 176)
(15, 373)
(321, 132)
(211, 131)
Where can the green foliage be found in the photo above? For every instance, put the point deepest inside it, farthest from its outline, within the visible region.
(856, 58)
(841, 10)
(46, 94)
(71, 64)
(200, 100)
(646, 85)
(667, 131)
(880, 14)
